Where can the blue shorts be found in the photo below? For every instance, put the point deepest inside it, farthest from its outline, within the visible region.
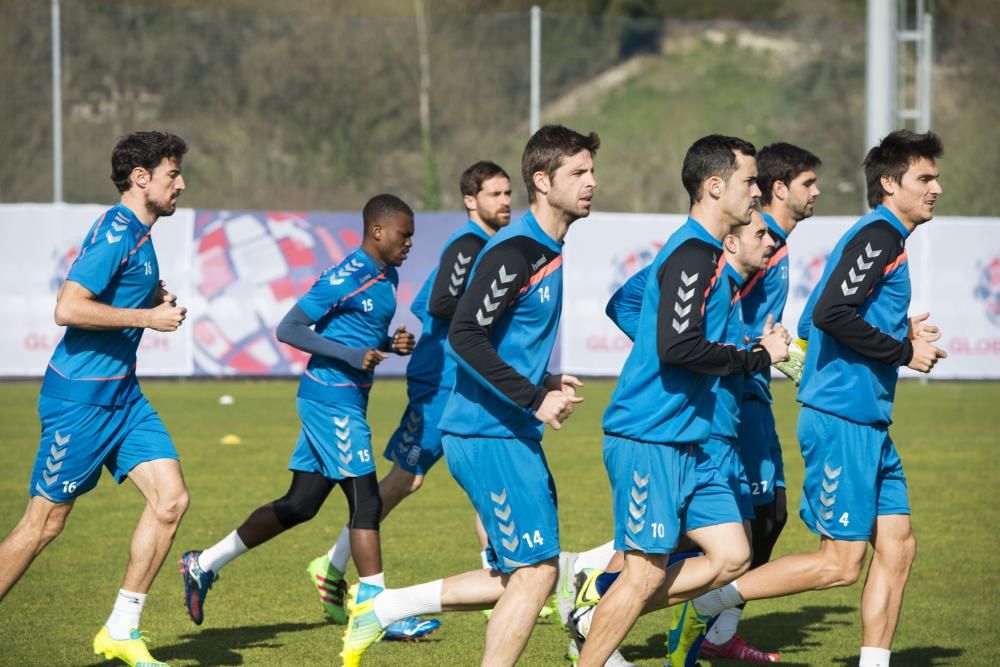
(660, 492)
(509, 484)
(78, 438)
(416, 444)
(760, 450)
(853, 474)
(727, 460)
(335, 441)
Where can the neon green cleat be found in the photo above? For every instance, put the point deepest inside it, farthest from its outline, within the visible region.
(330, 584)
(586, 586)
(687, 631)
(363, 628)
(792, 367)
(131, 651)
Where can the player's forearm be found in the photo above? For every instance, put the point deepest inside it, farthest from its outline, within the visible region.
(473, 350)
(96, 316)
(702, 356)
(295, 329)
(845, 324)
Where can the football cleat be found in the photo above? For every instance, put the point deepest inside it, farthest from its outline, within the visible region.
(792, 367)
(131, 651)
(687, 631)
(579, 628)
(411, 629)
(737, 649)
(363, 627)
(586, 587)
(565, 595)
(197, 583)
(330, 584)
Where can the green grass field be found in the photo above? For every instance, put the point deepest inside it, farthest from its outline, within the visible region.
(264, 612)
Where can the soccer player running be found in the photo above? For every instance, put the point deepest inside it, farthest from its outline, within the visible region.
(92, 410)
(786, 176)
(343, 322)
(859, 336)
(501, 336)
(416, 445)
(664, 485)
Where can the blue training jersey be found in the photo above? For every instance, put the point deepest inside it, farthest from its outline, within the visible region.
(856, 322)
(667, 391)
(351, 303)
(118, 264)
(764, 294)
(502, 334)
(435, 305)
(722, 304)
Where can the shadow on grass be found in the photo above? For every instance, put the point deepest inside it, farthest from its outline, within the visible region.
(778, 631)
(223, 646)
(921, 656)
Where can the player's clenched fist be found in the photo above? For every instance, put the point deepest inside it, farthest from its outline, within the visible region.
(372, 359)
(403, 341)
(925, 355)
(167, 316)
(775, 340)
(556, 408)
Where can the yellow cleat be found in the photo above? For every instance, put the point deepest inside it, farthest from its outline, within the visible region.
(131, 651)
(586, 586)
(363, 628)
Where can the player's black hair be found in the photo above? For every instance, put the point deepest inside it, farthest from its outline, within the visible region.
(894, 155)
(714, 155)
(143, 149)
(382, 206)
(781, 162)
(548, 147)
(473, 178)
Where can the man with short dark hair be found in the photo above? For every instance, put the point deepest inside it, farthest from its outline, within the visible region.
(343, 322)
(501, 336)
(416, 445)
(92, 410)
(786, 175)
(859, 336)
(664, 485)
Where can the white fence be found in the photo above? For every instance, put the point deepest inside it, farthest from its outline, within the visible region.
(954, 263)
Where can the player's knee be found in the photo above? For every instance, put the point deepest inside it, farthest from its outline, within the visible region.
(841, 570)
(170, 507)
(540, 575)
(293, 510)
(735, 562)
(414, 484)
(364, 503)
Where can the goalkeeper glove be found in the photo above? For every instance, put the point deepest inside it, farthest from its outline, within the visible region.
(792, 367)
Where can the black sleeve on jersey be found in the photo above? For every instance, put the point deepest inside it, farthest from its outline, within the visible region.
(856, 274)
(500, 275)
(452, 274)
(680, 341)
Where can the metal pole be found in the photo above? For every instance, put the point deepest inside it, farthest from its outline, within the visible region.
(880, 71)
(57, 166)
(926, 85)
(536, 66)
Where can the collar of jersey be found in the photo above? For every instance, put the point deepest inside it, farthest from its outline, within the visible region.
(541, 234)
(773, 225)
(128, 213)
(881, 211)
(731, 271)
(373, 263)
(477, 230)
(702, 233)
